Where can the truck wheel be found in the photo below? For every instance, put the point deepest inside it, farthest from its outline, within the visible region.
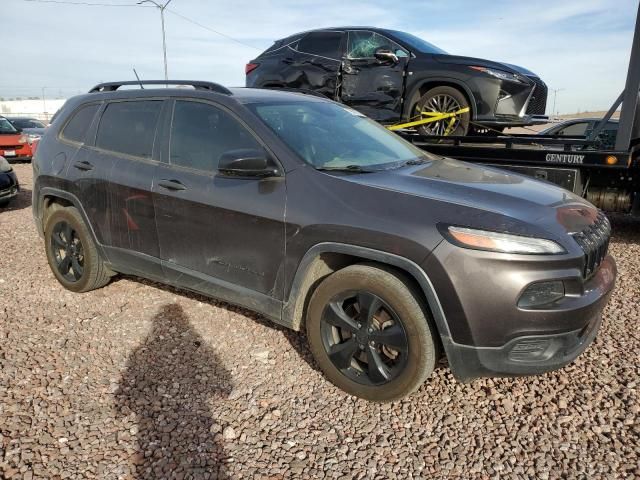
(370, 334)
(71, 252)
(443, 100)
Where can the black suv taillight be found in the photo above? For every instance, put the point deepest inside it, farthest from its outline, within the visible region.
(250, 67)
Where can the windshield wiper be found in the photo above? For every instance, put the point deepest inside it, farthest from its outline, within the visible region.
(347, 168)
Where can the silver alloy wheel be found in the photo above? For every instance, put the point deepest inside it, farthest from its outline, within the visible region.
(441, 103)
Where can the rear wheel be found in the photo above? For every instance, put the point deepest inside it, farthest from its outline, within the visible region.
(71, 252)
(370, 334)
(443, 100)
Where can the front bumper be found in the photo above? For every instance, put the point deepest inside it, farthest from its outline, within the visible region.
(9, 186)
(489, 335)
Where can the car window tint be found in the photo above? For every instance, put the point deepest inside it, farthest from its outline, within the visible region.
(576, 129)
(364, 45)
(326, 44)
(201, 133)
(129, 127)
(77, 127)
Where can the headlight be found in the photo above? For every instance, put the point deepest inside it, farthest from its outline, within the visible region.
(4, 165)
(509, 77)
(502, 242)
(31, 137)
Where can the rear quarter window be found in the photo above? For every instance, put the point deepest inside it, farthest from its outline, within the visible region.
(129, 127)
(76, 128)
(324, 44)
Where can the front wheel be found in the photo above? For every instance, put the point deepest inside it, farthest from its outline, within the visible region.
(443, 100)
(370, 334)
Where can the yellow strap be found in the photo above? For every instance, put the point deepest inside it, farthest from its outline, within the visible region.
(432, 117)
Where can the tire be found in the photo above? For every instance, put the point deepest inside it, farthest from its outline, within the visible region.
(443, 99)
(5, 203)
(91, 272)
(403, 316)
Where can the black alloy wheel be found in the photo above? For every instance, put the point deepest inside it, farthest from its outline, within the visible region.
(364, 338)
(68, 251)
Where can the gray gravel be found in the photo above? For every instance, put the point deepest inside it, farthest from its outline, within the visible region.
(137, 380)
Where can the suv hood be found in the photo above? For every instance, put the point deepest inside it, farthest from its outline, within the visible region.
(481, 62)
(529, 202)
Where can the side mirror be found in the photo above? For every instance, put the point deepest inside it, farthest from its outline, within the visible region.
(385, 55)
(247, 163)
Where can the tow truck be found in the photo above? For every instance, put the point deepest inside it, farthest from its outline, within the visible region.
(607, 177)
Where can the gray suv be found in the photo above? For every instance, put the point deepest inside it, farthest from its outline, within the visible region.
(308, 212)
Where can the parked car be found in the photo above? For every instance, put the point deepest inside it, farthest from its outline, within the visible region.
(31, 127)
(391, 76)
(319, 218)
(9, 186)
(583, 127)
(14, 145)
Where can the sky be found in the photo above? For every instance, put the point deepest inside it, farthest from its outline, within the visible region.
(580, 47)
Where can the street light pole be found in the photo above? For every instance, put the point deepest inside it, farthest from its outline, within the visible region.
(161, 7)
(555, 94)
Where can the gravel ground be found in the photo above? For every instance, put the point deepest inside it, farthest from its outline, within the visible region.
(137, 380)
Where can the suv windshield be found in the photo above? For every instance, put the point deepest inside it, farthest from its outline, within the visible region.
(6, 127)
(416, 43)
(330, 136)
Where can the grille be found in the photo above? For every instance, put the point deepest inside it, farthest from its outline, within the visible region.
(538, 102)
(11, 147)
(594, 241)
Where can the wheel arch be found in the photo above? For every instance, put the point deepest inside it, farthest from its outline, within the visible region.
(427, 84)
(48, 196)
(325, 258)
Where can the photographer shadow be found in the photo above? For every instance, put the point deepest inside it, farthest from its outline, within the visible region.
(168, 384)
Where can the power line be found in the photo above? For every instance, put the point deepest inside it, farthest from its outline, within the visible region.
(187, 19)
(89, 4)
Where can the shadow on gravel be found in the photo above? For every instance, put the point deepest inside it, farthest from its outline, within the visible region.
(168, 384)
(22, 200)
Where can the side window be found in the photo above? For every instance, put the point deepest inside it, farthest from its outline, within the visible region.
(76, 129)
(576, 129)
(364, 44)
(325, 44)
(129, 127)
(201, 133)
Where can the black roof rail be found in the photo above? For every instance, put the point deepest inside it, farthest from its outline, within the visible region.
(198, 85)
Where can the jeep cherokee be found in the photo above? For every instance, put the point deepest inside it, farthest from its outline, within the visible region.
(317, 217)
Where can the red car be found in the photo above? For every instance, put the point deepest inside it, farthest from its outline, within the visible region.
(13, 144)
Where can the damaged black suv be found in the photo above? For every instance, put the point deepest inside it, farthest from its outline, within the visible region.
(394, 76)
(321, 219)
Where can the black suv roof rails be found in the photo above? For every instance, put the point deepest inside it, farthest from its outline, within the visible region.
(198, 85)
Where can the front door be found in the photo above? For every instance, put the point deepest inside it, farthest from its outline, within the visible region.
(218, 235)
(372, 86)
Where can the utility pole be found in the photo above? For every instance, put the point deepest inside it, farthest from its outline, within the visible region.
(555, 94)
(161, 7)
(44, 106)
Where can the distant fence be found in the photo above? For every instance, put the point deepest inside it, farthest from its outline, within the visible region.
(42, 110)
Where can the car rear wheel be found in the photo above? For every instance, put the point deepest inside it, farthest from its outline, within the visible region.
(71, 252)
(443, 100)
(370, 333)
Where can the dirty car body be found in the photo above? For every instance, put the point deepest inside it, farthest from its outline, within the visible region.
(324, 200)
(342, 63)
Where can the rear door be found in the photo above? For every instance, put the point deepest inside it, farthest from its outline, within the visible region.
(371, 86)
(218, 235)
(317, 63)
(126, 141)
